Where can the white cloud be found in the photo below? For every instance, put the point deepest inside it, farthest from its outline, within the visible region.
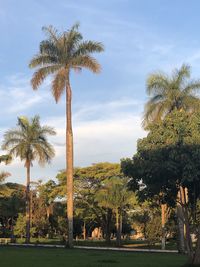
(110, 136)
(102, 132)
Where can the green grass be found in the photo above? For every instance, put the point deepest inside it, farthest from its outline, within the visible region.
(125, 243)
(43, 257)
(102, 243)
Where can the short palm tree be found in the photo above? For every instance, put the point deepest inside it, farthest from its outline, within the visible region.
(58, 55)
(28, 141)
(169, 93)
(114, 194)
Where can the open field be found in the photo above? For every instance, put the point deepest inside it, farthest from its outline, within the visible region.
(42, 257)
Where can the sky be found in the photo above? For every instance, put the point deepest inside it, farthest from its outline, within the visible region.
(140, 37)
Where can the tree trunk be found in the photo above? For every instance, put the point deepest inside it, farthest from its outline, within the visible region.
(69, 164)
(117, 227)
(31, 208)
(180, 226)
(163, 218)
(28, 211)
(84, 231)
(196, 259)
(108, 224)
(187, 224)
(120, 227)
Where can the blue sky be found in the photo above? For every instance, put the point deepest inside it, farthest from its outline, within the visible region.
(139, 37)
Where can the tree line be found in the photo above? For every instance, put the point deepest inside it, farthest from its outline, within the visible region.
(164, 172)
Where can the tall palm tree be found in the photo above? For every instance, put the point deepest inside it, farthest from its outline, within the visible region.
(170, 92)
(28, 141)
(58, 55)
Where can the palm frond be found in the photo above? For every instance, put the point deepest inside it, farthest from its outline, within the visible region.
(58, 84)
(181, 74)
(51, 33)
(192, 87)
(170, 93)
(42, 60)
(29, 141)
(61, 52)
(89, 47)
(157, 83)
(41, 74)
(87, 62)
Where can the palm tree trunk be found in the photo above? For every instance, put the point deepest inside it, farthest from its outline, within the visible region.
(187, 223)
(28, 211)
(120, 227)
(196, 259)
(84, 231)
(69, 164)
(163, 216)
(117, 227)
(180, 225)
(108, 225)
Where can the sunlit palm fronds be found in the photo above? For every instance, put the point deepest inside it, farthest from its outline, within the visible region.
(60, 53)
(169, 93)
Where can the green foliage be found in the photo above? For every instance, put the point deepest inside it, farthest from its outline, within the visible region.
(170, 93)
(153, 230)
(28, 141)
(114, 193)
(60, 53)
(20, 227)
(168, 157)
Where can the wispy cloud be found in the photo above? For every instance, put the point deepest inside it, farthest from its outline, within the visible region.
(108, 138)
(16, 95)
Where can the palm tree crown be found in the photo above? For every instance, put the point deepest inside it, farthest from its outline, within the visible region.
(169, 93)
(60, 53)
(29, 142)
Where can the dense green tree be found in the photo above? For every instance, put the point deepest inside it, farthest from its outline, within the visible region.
(12, 202)
(29, 142)
(58, 55)
(87, 182)
(167, 162)
(114, 194)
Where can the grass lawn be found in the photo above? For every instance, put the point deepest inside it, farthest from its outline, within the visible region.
(102, 243)
(55, 257)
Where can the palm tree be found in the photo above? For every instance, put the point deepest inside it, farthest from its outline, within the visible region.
(58, 55)
(29, 142)
(166, 95)
(114, 195)
(169, 93)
